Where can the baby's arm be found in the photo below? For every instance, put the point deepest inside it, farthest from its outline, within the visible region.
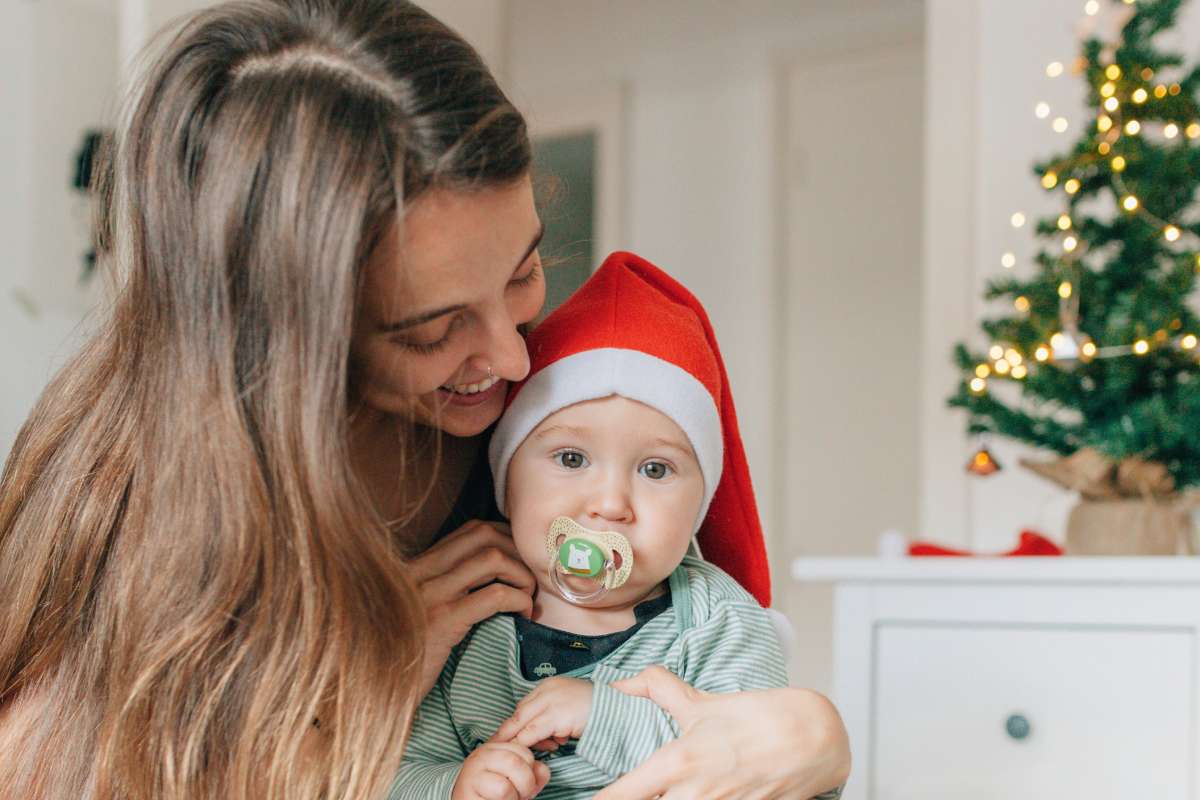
(437, 766)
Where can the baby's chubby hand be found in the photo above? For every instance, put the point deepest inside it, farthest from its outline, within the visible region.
(500, 771)
(557, 710)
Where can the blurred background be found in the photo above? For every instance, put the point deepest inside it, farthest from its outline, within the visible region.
(835, 180)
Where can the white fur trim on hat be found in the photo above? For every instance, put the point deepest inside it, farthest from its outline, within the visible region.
(604, 372)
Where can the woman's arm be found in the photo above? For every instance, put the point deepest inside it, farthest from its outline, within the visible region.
(465, 578)
(785, 744)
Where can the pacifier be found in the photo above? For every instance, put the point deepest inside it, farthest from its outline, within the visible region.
(585, 553)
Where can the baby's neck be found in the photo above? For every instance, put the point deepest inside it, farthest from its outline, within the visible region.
(553, 611)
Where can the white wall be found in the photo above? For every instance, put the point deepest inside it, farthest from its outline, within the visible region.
(985, 74)
(49, 102)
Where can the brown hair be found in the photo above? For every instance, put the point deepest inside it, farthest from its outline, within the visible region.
(191, 571)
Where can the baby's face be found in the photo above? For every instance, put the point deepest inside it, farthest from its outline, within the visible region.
(612, 464)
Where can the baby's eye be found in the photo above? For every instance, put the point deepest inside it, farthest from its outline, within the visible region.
(655, 470)
(570, 459)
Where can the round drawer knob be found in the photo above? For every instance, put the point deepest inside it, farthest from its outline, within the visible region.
(1017, 726)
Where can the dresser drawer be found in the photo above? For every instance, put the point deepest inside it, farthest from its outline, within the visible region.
(1030, 712)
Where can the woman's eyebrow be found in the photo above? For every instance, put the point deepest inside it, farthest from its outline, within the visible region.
(428, 316)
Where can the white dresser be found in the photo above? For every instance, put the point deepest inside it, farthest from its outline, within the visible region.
(1017, 679)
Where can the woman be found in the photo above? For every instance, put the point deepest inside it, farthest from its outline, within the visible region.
(234, 544)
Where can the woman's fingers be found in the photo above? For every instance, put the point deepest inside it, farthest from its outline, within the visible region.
(484, 566)
(457, 546)
(667, 690)
(478, 606)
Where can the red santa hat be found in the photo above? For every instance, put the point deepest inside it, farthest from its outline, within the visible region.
(634, 331)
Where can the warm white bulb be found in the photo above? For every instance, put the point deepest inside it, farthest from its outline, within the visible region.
(1064, 222)
(1111, 104)
(1091, 8)
(1140, 95)
(1170, 130)
(1171, 233)
(1017, 219)
(1054, 69)
(1008, 260)
(1070, 243)
(1059, 124)
(1042, 110)
(1130, 203)
(996, 352)
(1132, 127)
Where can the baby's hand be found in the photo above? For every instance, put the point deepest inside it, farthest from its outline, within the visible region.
(500, 771)
(557, 710)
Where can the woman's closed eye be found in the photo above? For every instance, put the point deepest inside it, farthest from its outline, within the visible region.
(431, 344)
(529, 278)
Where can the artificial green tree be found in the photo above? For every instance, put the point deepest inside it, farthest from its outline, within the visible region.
(1098, 347)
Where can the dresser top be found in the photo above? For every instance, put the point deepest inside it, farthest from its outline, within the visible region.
(1031, 569)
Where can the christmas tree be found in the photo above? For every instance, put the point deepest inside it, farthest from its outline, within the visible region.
(1098, 346)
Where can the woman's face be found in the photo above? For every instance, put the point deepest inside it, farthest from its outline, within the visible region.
(436, 335)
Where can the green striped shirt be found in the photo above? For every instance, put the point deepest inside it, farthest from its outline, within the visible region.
(714, 636)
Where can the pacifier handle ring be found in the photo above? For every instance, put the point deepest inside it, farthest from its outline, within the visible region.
(580, 597)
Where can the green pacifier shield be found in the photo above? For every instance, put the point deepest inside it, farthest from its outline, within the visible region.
(581, 557)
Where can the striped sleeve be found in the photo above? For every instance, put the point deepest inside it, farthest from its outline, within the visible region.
(734, 649)
(434, 755)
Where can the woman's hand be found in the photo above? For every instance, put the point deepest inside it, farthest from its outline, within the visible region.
(762, 745)
(465, 578)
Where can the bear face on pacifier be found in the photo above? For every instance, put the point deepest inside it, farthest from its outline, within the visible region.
(604, 557)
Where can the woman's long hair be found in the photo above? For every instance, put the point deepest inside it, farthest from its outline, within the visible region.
(191, 573)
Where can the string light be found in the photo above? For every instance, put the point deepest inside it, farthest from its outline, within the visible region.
(978, 385)
(1013, 357)
(1112, 72)
(1088, 350)
(1111, 104)
(1019, 372)
(1147, 73)
(1129, 203)
(1072, 186)
(1103, 148)
(1092, 8)
(1065, 289)
(1070, 243)
(1170, 130)
(1008, 260)
(982, 371)
(1141, 347)
(1064, 222)
(1108, 89)
(1160, 91)
(1017, 219)
(1132, 127)
(1042, 353)
(1002, 367)
(1103, 123)
(1175, 89)
(996, 352)
(1171, 233)
(1022, 303)
(1059, 124)
(1049, 180)
(1118, 164)
(1042, 110)
(1192, 130)
(1188, 342)
(1140, 95)
(1054, 69)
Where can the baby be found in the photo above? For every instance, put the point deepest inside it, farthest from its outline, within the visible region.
(620, 446)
